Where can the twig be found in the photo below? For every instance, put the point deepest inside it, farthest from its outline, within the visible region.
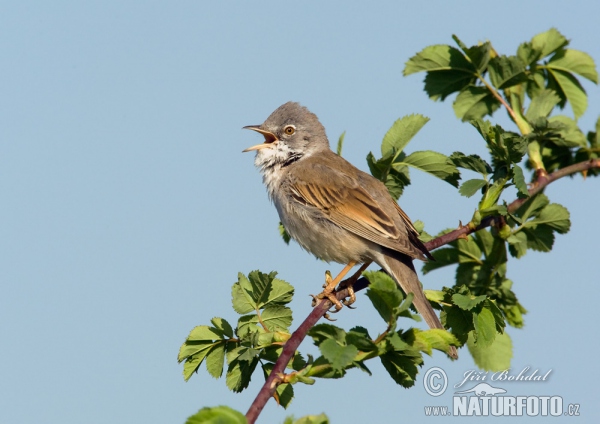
(321, 309)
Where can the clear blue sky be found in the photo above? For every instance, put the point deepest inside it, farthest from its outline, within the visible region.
(128, 208)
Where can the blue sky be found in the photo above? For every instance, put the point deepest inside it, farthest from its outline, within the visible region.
(128, 207)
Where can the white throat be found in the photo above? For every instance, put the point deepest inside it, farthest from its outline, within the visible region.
(270, 162)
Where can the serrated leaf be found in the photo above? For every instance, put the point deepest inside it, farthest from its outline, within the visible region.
(223, 326)
(215, 360)
(460, 321)
(360, 338)
(548, 42)
(436, 58)
(247, 324)
(478, 55)
(401, 368)
(321, 332)
(401, 132)
(571, 135)
(217, 415)
(474, 103)
(519, 182)
(443, 257)
(277, 317)
(285, 394)
(575, 61)
(540, 238)
(555, 216)
(533, 206)
(485, 327)
(470, 187)
(517, 244)
(495, 357)
(542, 104)
(192, 363)
(281, 292)
(471, 162)
(570, 89)
(203, 333)
(239, 374)
(340, 357)
(467, 302)
(241, 295)
(441, 84)
(507, 71)
(434, 339)
(433, 163)
(384, 294)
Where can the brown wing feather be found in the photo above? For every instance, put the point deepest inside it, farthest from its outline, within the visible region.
(356, 211)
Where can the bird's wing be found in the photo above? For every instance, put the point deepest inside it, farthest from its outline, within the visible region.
(355, 210)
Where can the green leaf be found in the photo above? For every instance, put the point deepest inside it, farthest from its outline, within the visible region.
(437, 58)
(192, 363)
(284, 234)
(434, 339)
(433, 163)
(241, 295)
(540, 238)
(205, 333)
(401, 368)
(223, 326)
(285, 394)
(519, 182)
(448, 70)
(478, 55)
(470, 187)
(574, 61)
(492, 194)
(569, 132)
(339, 356)
(247, 324)
(548, 42)
(441, 84)
(215, 360)
(471, 162)
(495, 357)
(322, 332)
(340, 143)
(239, 374)
(467, 302)
(311, 419)
(474, 103)
(542, 104)
(570, 89)
(507, 71)
(517, 244)
(485, 327)
(443, 257)
(277, 317)
(401, 132)
(384, 294)
(555, 216)
(280, 293)
(217, 415)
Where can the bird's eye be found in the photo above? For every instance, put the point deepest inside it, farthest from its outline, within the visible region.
(289, 130)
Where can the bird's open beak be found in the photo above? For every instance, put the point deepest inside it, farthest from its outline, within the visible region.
(270, 138)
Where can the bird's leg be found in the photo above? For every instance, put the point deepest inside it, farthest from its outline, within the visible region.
(349, 284)
(330, 284)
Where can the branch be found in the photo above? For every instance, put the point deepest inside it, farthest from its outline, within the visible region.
(321, 309)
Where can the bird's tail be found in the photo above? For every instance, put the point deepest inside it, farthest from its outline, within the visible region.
(401, 268)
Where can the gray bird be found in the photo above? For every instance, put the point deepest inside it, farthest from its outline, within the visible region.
(332, 209)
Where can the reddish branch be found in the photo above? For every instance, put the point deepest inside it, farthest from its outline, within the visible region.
(321, 309)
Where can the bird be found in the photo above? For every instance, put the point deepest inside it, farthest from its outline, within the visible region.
(334, 210)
